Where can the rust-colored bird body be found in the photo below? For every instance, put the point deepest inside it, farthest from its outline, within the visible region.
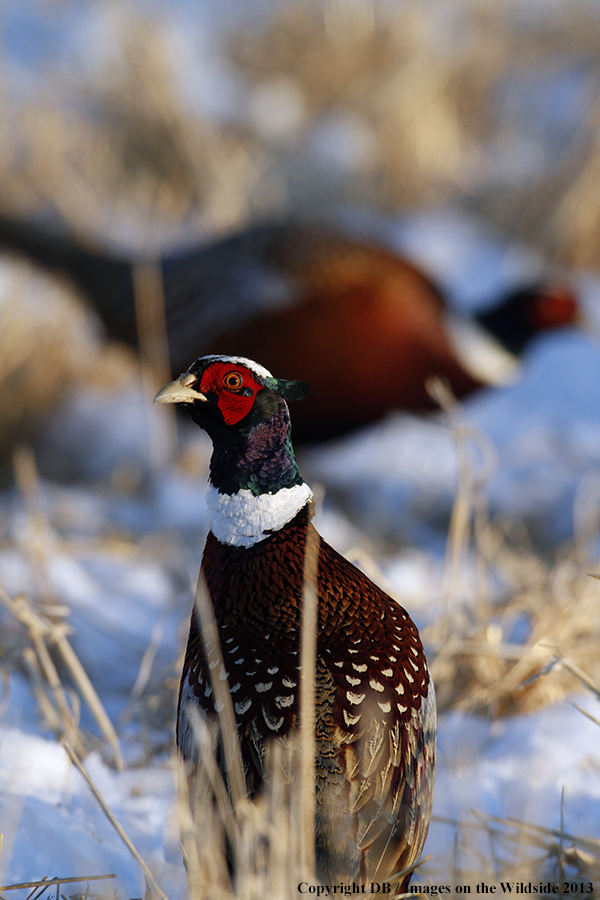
(361, 310)
(375, 702)
(375, 712)
(308, 300)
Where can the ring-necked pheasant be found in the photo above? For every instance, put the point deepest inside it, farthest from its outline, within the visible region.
(309, 300)
(375, 703)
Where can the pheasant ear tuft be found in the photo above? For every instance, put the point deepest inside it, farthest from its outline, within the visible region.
(289, 390)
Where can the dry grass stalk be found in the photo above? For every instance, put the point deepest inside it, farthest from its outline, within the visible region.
(272, 851)
(189, 833)
(561, 868)
(585, 679)
(591, 845)
(92, 699)
(154, 355)
(151, 321)
(113, 821)
(477, 669)
(587, 714)
(272, 837)
(223, 702)
(398, 876)
(263, 835)
(47, 625)
(44, 632)
(469, 512)
(502, 849)
(54, 881)
(47, 710)
(39, 632)
(308, 663)
(476, 663)
(144, 672)
(39, 540)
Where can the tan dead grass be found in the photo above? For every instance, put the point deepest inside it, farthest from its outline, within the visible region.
(425, 115)
(494, 583)
(411, 89)
(119, 151)
(474, 668)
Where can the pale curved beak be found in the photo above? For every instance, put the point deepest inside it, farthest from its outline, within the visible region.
(179, 391)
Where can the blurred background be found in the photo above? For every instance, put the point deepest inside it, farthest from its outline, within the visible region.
(464, 134)
(456, 133)
(152, 124)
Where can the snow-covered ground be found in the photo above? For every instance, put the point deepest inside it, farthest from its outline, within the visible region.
(124, 565)
(122, 562)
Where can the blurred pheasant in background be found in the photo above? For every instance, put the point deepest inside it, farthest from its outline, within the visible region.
(310, 301)
(375, 715)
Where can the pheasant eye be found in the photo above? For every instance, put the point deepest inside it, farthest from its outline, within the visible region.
(233, 381)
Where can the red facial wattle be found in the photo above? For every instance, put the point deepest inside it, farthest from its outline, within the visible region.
(555, 309)
(235, 394)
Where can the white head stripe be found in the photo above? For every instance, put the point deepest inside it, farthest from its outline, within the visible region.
(242, 361)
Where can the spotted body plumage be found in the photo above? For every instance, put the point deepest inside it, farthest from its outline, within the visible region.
(375, 707)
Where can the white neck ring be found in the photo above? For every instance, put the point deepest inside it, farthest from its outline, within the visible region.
(244, 519)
